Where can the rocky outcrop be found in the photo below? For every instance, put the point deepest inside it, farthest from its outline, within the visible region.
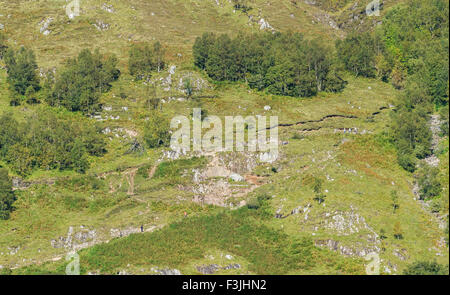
(20, 184)
(76, 240)
(356, 250)
(213, 268)
(45, 24)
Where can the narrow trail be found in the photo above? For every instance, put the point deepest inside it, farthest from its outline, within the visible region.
(331, 116)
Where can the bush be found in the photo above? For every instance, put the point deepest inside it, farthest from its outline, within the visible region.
(22, 68)
(426, 268)
(282, 63)
(357, 53)
(156, 133)
(82, 80)
(435, 206)
(428, 181)
(47, 140)
(7, 197)
(3, 45)
(144, 59)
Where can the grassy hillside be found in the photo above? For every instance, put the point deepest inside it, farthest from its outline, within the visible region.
(100, 213)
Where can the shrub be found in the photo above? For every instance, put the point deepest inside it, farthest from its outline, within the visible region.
(7, 197)
(144, 59)
(82, 80)
(426, 268)
(48, 140)
(282, 63)
(428, 181)
(156, 133)
(22, 68)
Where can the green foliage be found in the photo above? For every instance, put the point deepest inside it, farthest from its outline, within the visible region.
(428, 181)
(357, 52)
(394, 198)
(201, 49)
(3, 45)
(410, 128)
(156, 133)
(144, 59)
(260, 202)
(5, 271)
(398, 233)
(80, 183)
(78, 156)
(22, 68)
(9, 133)
(416, 40)
(282, 63)
(426, 268)
(435, 206)
(47, 140)
(82, 80)
(176, 167)
(318, 190)
(188, 87)
(268, 251)
(7, 196)
(143, 171)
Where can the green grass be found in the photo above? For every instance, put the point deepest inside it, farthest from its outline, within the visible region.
(359, 171)
(237, 233)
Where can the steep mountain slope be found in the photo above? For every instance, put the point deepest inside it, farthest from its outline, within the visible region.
(336, 137)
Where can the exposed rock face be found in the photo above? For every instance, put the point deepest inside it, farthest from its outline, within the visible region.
(119, 233)
(45, 24)
(213, 268)
(402, 254)
(263, 25)
(435, 128)
(81, 239)
(347, 223)
(236, 177)
(108, 8)
(208, 269)
(212, 185)
(20, 184)
(167, 272)
(101, 26)
(357, 250)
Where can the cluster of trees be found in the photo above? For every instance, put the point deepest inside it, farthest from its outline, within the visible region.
(7, 196)
(410, 50)
(281, 63)
(416, 43)
(426, 268)
(21, 68)
(81, 82)
(357, 54)
(48, 140)
(77, 87)
(410, 45)
(410, 126)
(157, 130)
(144, 59)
